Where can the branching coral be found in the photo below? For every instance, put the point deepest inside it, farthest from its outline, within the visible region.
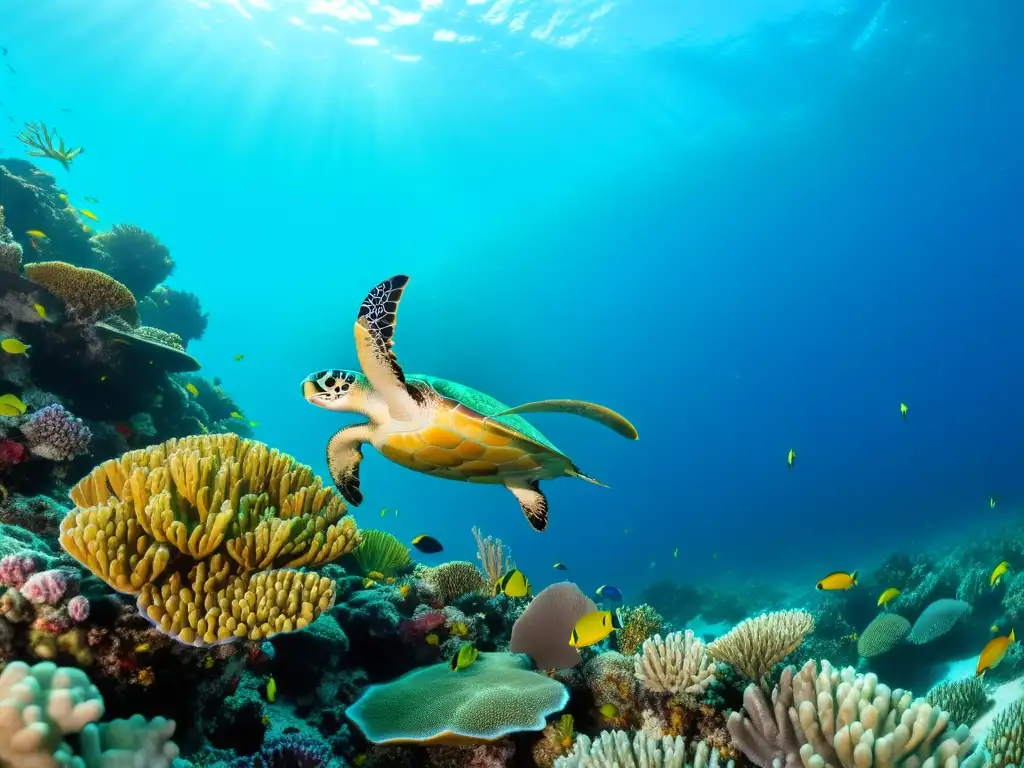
(380, 551)
(845, 719)
(616, 749)
(1005, 740)
(204, 531)
(494, 560)
(39, 140)
(676, 664)
(638, 624)
(965, 700)
(756, 645)
(89, 293)
(134, 256)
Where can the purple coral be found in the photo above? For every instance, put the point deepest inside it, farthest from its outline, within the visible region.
(55, 434)
(78, 608)
(47, 587)
(288, 751)
(15, 569)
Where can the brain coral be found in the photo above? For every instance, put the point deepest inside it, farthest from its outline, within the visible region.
(542, 632)
(884, 633)
(496, 696)
(204, 529)
(454, 579)
(937, 619)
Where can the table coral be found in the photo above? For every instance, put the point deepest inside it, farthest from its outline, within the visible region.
(205, 531)
(89, 293)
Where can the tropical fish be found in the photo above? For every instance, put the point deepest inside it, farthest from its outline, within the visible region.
(13, 346)
(142, 647)
(404, 591)
(994, 629)
(993, 653)
(608, 592)
(38, 234)
(594, 627)
(790, 458)
(432, 639)
(376, 575)
(236, 415)
(460, 629)
(991, 502)
(561, 567)
(265, 720)
(383, 511)
(88, 214)
(903, 410)
(87, 229)
(837, 580)
(367, 583)
(192, 389)
(428, 544)
(13, 403)
(888, 596)
(608, 710)
(271, 689)
(390, 580)
(514, 584)
(40, 310)
(359, 759)
(998, 573)
(465, 657)
(675, 552)
(91, 199)
(254, 424)
(239, 358)
(103, 377)
(208, 662)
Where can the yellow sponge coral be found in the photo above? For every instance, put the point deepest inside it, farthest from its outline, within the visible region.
(198, 529)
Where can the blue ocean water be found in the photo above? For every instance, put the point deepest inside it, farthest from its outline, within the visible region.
(748, 226)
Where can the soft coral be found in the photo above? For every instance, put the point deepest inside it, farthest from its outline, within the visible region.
(11, 453)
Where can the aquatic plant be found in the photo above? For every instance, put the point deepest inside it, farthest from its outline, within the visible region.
(937, 619)
(205, 531)
(677, 663)
(454, 579)
(494, 561)
(380, 551)
(884, 633)
(623, 749)
(495, 696)
(133, 256)
(841, 718)
(638, 624)
(965, 700)
(90, 294)
(757, 644)
(543, 629)
(39, 140)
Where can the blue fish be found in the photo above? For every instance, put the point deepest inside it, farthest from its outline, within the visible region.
(608, 592)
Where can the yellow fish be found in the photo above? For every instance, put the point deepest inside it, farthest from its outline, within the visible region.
(236, 415)
(239, 358)
(88, 214)
(367, 583)
(376, 575)
(790, 458)
(994, 629)
(254, 424)
(13, 346)
(265, 720)
(460, 629)
(40, 310)
(86, 228)
(192, 389)
(271, 690)
(888, 596)
(38, 234)
(514, 584)
(998, 573)
(12, 402)
(359, 759)
(903, 410)
(608, 710)
(142, 647)
(432, 639)
(404, 591)
(837, 580)
(993, 653)
(594, 627)
(465, 657)
(207, 662)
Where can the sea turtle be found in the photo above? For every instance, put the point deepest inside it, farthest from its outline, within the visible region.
(436, 426)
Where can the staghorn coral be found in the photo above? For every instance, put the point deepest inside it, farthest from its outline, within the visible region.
(134, 257)
(676, 664)
(494, 560)
(616, 749)
(454, 579)
(841, 718)
(542, 631)
(380, 551)
(884, 633)
(204, 530)
(1005, 739)
(55, 434)
(638, 624)
(39, 140)
(937, 619)
(965, 700)
(10, 251)
(89, 293)
(756, 645)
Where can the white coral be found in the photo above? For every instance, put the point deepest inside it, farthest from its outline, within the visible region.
(678, 663)
(614, 749)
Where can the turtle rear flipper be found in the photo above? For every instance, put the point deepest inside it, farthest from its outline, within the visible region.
(344, 453)
(532, 500)
(599, 413)
(375, 336)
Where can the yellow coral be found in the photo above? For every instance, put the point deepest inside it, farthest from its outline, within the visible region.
(91, 294)
(638, 624)
(198, 527)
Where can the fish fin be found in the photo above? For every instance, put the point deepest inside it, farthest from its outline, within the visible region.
(532, 500)
(375, 337)
(616, 619)
(344, 453)
(1013, 637)
(853, 578)
(599, 413)
(574, 471)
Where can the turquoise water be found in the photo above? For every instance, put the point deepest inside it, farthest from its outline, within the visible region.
(748, 226)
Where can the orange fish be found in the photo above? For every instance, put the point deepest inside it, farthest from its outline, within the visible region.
(993, 653)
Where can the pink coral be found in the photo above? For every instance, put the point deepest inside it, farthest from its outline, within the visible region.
(78, 608)
(421, 624)
(47, 587)
(11, 453)
(15, 569)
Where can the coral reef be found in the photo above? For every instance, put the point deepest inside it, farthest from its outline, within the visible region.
(543, 629)
(677, 663)
(965, 700)
(134, 257)
(756, 645)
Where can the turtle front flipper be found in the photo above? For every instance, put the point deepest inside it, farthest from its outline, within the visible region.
(375, 336)
(344, 453)
(532, 500)
(599, 413)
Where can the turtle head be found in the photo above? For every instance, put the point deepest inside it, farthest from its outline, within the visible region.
(334, 390)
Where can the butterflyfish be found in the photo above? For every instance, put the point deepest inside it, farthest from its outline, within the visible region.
(271, 689)
(993, 653)
(13, 346)
(40, 310)
(11, 405)
(427, 544)
(514, 584)
(888, 596)
(608, 592)
(561, 567)
(594, 627)
(88, 214)
(236, 415)
(904, 409)
(36, 234)
(998, 573)
(192, 389)
(465, 657)
(790, 458)
(836, 581)
(608, 710)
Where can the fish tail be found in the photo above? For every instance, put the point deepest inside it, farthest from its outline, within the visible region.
(574, 471)
(853, 578)
(616, 619)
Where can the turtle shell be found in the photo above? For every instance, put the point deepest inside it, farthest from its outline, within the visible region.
(467, 442)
